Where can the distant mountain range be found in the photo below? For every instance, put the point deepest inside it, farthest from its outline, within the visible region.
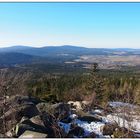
(66, 49)
(27, 54)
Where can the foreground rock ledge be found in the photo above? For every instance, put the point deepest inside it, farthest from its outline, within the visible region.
(32, 134)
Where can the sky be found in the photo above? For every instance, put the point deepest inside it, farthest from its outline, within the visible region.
(93, 25)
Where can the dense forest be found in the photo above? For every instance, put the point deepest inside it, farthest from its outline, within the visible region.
(108, 86)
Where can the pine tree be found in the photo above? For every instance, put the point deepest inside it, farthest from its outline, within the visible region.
(96, 84)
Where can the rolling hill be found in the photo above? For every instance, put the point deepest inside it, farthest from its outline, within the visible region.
(61, 54)
(13, 58)
(67, 50)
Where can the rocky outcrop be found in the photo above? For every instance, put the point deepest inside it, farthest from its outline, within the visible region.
(90, 118)
(31, 134)
(62, 111)
(37, 120)
(29, 117)
(17, 107)
(28, 125)
(26, 110)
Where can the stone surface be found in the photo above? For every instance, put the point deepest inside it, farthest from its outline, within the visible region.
(28, 125)
(90, 118)
(27, 110)
(37, 120)
(32, 134)
(62, 111)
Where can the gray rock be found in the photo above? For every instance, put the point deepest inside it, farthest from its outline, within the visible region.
(32, 134)
(14, 115)
(48, 119)
(27, 110)
(37, 120)
(62, 110)
(90, 118)
(28, 125)
(24, 119)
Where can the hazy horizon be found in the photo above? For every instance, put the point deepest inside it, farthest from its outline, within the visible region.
(67, 45)
(91, 25)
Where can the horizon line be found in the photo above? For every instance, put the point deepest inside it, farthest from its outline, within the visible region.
(69, 46)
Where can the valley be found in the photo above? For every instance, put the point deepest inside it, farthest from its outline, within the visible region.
(69, 92)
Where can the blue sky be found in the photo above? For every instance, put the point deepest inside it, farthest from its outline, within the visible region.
(98, 25)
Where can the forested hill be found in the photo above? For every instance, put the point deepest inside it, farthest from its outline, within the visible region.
(68, 50)
(69, 55)
(11, 58)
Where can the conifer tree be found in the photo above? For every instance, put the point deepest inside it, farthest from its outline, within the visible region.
(96, 84)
